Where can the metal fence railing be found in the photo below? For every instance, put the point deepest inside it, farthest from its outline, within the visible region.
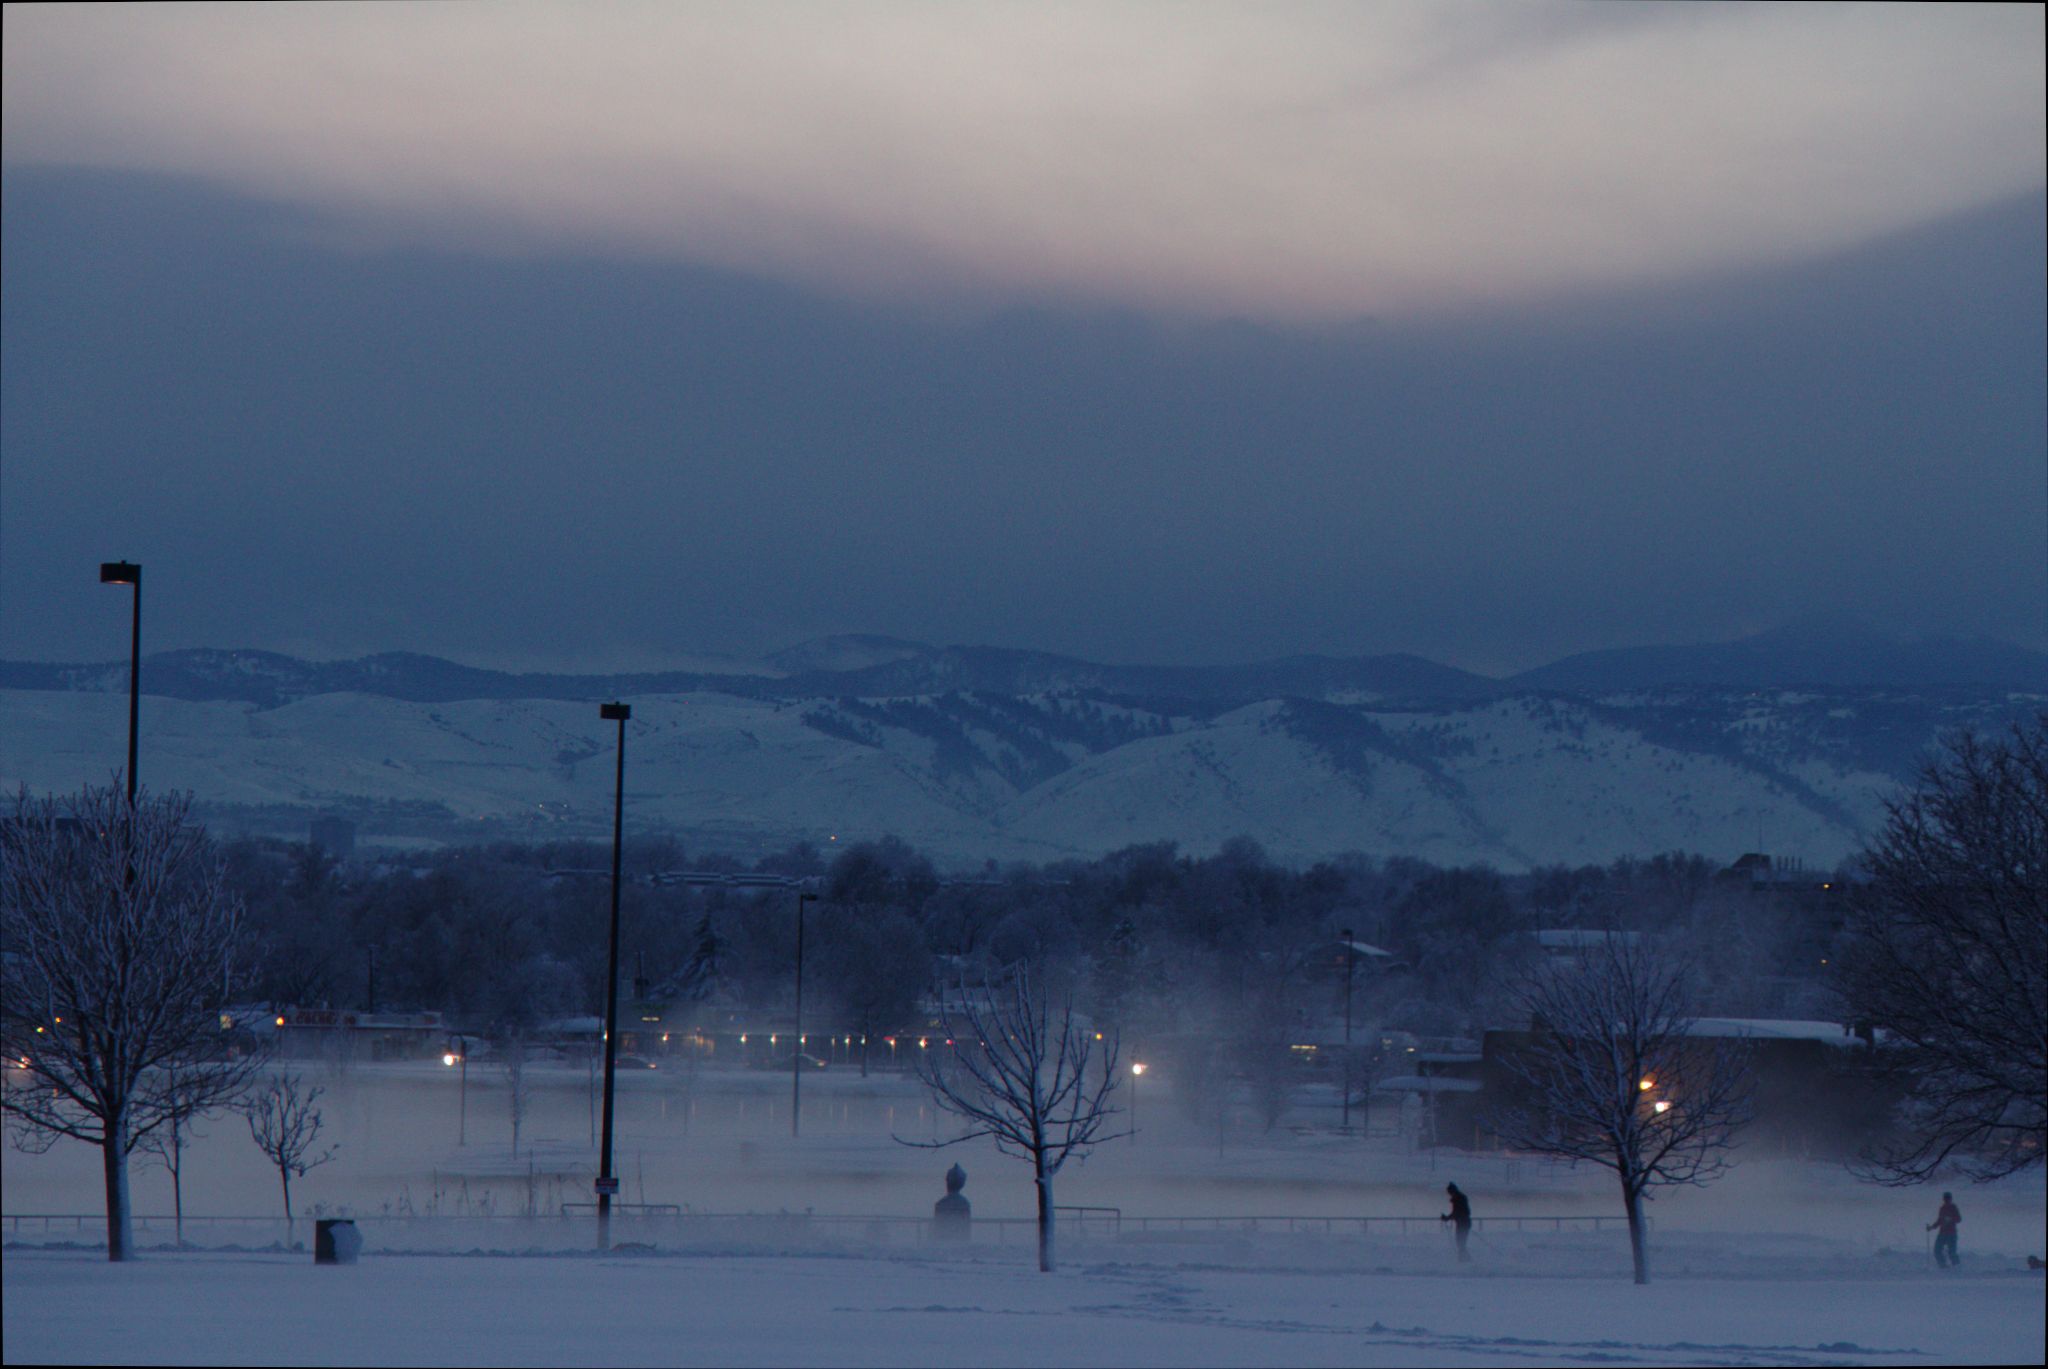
(672, 1219)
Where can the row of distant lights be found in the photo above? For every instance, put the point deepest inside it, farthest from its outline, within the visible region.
(923, 1043)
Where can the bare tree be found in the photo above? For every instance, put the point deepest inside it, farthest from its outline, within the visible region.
(286, 1127)
(1612, 1074)
(1019, 1075)
(1949, 957)
(119, 942)
(169, 1142)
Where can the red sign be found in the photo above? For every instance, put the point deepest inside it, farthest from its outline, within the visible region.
(607, 1185)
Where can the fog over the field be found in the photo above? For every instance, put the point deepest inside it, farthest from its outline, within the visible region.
(718, 1141)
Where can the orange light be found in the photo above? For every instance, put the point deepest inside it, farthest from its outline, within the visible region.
(280, 1021)
(1647, 1084)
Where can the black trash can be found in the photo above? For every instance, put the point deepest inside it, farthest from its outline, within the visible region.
(336, 1241)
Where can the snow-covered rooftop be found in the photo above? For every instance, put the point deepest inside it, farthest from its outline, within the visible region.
(1431, 1083)
(1775, 1029)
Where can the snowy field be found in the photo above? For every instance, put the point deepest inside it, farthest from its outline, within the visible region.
(216, 1308)
(811, 1251)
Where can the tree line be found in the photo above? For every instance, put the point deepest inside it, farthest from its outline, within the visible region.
(502, 936)
(125, 932)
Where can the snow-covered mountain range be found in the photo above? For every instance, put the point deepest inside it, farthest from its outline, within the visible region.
(1788, 742)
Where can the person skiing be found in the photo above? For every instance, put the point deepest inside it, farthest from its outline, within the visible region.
(1460, 1218)
(1944, 1228)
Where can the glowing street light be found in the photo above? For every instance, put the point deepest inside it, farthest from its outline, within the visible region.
(128, 573)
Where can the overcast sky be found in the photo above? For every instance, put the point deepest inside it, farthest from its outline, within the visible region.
(601, 336)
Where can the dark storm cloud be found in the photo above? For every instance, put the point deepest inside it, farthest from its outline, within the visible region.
(569, 460)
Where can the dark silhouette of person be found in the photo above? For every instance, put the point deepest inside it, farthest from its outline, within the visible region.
(1460, 1218)
(953, 1215)
(1944, 1228)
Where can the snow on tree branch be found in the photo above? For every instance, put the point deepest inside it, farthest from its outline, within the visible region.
(1019, 1075)
(119, 941)
(1613, 1074)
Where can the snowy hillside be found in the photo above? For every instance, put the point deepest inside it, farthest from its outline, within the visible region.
(1515, 781)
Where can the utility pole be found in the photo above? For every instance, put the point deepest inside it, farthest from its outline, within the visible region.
(1350, 959)
(607, 1182)
(796, 1057)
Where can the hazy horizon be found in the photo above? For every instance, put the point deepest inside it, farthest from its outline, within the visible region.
(685, 662)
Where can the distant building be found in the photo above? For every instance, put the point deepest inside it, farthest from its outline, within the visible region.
(346, 1035)
(1820, 1093)
(1568, 942)
(335, 836)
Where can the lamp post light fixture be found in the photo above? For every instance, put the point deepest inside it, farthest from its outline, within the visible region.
(607, 1183)
(128, 573)
(796, 1058)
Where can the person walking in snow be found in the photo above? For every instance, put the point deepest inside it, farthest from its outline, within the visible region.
(1460, 1218)
(1944, 1228)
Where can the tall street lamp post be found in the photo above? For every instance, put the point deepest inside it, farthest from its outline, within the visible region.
(796, 1059)
(1137, 1073)
(607, 1183)
(128, 573)
(1350, 959)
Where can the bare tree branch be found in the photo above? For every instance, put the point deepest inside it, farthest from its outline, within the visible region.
(1020, 1076)
(1614, 1075)
(285, 1125)
(118, 938)
(1949, 957)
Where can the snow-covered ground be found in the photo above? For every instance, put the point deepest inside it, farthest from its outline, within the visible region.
(1113, 1306)
(1784, 1262)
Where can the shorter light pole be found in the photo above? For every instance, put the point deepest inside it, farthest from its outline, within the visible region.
(796, 1058)
(607, 1182)
(128, 573)
(1350, 959)
(1137, 1073)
